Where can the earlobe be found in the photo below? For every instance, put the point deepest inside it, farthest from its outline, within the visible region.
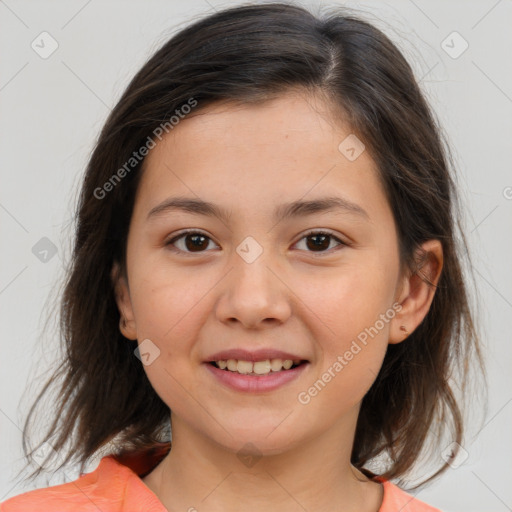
(405, 331)
(127, 324)
(418, 290)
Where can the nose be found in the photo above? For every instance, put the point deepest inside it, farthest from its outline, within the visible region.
(254, 295)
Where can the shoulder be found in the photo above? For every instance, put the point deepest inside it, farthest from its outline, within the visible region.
(396, 499)
(111, 487)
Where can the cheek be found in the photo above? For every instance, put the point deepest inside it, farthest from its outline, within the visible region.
(167, 305)
(352, 334)
(350, 300)
(166, 311)
(170, 308)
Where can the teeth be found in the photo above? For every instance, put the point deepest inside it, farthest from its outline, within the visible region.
(244, 367)
(261, 367)
(276, 364)
(258, 367)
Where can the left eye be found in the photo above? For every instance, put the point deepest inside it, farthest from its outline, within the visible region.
(195, 241)
(320, 240)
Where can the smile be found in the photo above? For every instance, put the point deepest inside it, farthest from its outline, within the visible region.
(257, 376)
(256, 367)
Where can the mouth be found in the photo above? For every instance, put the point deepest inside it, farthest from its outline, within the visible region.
(255, 371)
(258, 376)
(257, 368)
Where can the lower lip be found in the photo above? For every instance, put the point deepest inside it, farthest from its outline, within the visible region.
(256, 383)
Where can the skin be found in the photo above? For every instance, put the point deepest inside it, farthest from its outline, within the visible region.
(313, 303)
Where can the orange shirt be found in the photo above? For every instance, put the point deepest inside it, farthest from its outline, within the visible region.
(116, 486)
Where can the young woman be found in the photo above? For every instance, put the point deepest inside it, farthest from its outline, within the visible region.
(265, 276)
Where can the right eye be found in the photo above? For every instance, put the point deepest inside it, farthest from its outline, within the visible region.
(191, 241)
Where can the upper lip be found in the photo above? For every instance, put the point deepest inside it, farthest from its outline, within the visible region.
(254, 355)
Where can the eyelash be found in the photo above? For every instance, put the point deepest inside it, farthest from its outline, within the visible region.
(306, 235)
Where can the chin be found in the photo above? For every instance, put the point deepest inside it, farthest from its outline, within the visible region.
(262, 438)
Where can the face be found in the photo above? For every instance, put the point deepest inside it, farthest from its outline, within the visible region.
(317, 285)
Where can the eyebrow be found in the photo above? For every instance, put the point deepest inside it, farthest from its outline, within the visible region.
(282, 212)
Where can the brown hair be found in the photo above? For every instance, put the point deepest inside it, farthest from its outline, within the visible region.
(245, 54)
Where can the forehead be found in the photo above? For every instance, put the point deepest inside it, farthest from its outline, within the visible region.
(290, 115)
(252, 155)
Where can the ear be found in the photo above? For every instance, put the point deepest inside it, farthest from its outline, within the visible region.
(122, 295)
(417, 290)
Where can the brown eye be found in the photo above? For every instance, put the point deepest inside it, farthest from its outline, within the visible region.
(195, 242)
(320, 241)
(190, 241)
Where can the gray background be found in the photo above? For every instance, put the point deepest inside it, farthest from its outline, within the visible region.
(52, 110)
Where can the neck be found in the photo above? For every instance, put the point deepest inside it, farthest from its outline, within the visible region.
(317, 475)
